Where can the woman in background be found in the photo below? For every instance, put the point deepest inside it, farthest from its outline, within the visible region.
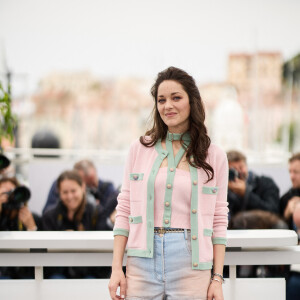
(72, 213)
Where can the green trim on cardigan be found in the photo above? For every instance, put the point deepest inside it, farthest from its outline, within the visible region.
(219, 241)
(121, 231)
(136, 176)
(210, 190)
(135, 220)
(207, 232)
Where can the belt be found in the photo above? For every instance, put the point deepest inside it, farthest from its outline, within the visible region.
(162, 230)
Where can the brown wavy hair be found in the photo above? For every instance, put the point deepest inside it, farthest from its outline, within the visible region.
(200, 141)
(74, 176)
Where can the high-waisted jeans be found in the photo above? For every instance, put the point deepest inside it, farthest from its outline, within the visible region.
(168, 275)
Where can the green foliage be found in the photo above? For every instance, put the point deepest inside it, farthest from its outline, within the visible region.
(292, 133)
(292, 67)
(8, 121)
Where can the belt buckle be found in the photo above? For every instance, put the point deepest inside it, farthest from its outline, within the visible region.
(161, 230)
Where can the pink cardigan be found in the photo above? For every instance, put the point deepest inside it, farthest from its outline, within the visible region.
(135, 210)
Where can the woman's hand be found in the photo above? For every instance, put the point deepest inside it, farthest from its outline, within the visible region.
(117, 279)
(25, 216)
(215, 291)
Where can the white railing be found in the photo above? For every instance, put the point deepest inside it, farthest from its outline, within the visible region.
(39, 249)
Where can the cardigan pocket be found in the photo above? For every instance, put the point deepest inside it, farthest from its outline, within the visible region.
(135, 220)
(135, 231)
(207, 232)
(208, 199)
(138, 187)
(210, 190)
(136, 176)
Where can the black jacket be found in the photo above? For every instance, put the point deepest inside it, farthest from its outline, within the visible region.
(284, 202)
(56, 219)
(261, 193)
(13, 224)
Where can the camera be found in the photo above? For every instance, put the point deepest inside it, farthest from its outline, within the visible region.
(17, 198)
(233, 174)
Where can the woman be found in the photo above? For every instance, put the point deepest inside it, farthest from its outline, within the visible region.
(172, 210)
(72, 213)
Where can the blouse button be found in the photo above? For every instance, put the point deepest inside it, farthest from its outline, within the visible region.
(166, 221)
(167, 204)
(194, 211)
(194, 237)
(172, 169)
(169, 185)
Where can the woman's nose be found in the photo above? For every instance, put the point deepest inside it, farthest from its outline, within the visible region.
(168, 104)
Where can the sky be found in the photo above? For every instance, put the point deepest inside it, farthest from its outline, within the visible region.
(139, 38)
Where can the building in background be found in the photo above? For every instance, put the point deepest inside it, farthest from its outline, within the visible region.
(85, 112)
(248, 111)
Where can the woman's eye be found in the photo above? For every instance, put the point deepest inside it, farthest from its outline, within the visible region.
(161, 100)
(177, 98)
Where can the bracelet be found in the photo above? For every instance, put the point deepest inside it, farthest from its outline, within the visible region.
(219, 275)
(215, 279)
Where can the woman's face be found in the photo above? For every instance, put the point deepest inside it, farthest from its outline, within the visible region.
(173, 106)
(5, 187)
(71, 194)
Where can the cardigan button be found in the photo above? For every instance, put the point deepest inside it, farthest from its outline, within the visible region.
(166, 221)
(131, 220)
(167, 204)
(169, 185)
(194, 211)
(195, 182)
(172, 169)
(195, 265)
(135, 177)
(194, 237)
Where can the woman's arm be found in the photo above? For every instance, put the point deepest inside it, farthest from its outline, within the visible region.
(215, 289)
(117, 278)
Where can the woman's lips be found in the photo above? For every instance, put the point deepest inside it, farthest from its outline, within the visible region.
(170, 114)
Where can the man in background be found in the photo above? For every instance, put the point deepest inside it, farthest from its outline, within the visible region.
(248, 191)
(290, 199)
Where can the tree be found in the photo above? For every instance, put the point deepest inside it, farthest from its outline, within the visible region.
(8, 120)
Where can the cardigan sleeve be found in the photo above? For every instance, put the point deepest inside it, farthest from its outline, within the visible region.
(121, 226)
(220, 222)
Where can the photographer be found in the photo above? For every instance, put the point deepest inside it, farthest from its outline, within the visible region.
(289, 200)
(16, 216)
(248, 191)
(14, 213)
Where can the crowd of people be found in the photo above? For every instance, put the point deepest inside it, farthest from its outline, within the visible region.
(79, 200)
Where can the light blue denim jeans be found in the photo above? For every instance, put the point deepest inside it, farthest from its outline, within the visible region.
(168, 275)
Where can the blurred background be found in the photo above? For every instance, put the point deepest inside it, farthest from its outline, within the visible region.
(80, 74)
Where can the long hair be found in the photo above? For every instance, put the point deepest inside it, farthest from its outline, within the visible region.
(200, 141)
(74, 176)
